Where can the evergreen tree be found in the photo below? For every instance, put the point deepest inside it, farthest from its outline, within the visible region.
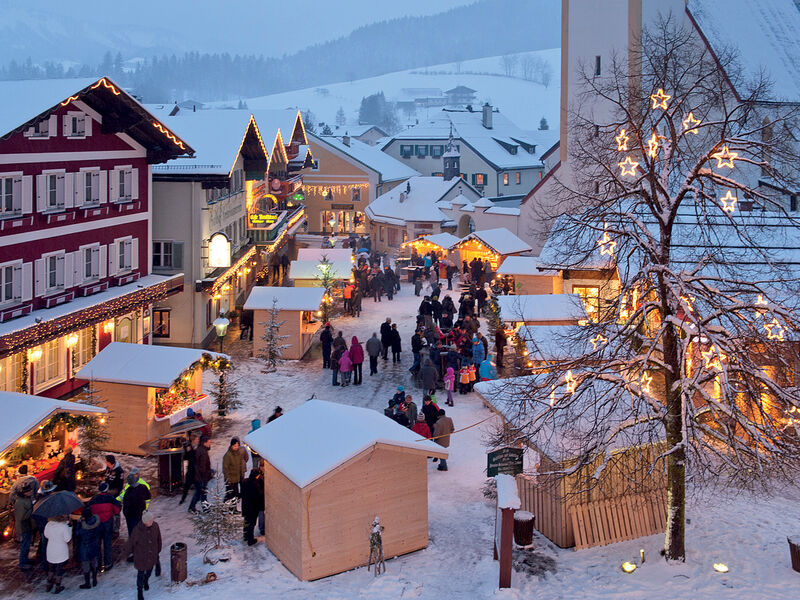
(93, 436)
(225, 393)
(273, 350)
(341, 119)
(327, 130)
(217, 521)
(309, 120)
(327, 280)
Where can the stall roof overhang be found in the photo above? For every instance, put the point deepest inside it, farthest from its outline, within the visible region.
(445, 241)
(541, 307)
(294, 298)
(28, 102)
(23, 413)
(319, 436)
(141, 364)
(523, 265)
(500, 240)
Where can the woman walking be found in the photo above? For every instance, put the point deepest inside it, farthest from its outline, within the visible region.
(357, 358)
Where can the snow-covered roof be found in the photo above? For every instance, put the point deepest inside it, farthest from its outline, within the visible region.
(505, 145)
(270, 121)
(141, 364)
(521, 265)
(541, 307)
(289, 298)
(389, 168)
(310, 269)
(500, 240)
(503, 210)
(22, 413)
(318, 436)
(551, 343)
(443, 240)
(398, 206)
(332, 254)
(766, 35)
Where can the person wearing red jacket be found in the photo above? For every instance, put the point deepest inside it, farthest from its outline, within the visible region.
(357, 358)
(421, 427)
(105, 506)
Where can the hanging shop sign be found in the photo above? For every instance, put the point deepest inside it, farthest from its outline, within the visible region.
(342, 206)
(261, 220)
(260, 214)
(219, 251)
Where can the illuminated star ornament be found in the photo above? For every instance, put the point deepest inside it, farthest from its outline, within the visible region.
(689, 301)
(690, 123)
(728, 202)
(713, 359)
(645, 382)
(598, 341)
(628, 166)
(652, 146)
(571, 383)
(725, 158)
(774, 330)
(660, 99)
(760, 301)
(606, 244)
(622, 140)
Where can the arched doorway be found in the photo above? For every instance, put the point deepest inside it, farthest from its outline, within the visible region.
(465, 226)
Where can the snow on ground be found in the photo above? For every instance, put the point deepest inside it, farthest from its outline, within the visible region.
(747, 533)
(524, 102)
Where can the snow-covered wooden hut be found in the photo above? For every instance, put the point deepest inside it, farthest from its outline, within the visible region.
(308, 273)
(329, 470)
(147, 389)
(297, 309)
(525, 277)
(331, 254)
(494, 245)
(542, 309)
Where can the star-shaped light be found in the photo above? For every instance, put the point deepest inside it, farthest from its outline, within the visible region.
(598, 341)
(724, 158)
(571, 382)
(660, 99)
(606, 244)
(552, 395)
(645, 382)
(713, 359)
(622, 141)
(690, 123)
(689, 301)
(728, 202)
(652, 146)
(760, 301)
(774, 330)
(628, 166)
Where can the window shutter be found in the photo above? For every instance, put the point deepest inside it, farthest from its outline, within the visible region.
(112, 185)
(126, 255)
(40, 277)
(103, 185)
(52, 130)
(27, 194)
(27, 281)
(112, 260)
(60, 183)
(61, 269)
(177, 255)
(41, 193)
(66, 125)
(87, 119)
(80, 189)
(69, 270)
(69, 189)
(96, 261)
(134, 187)
(102, 262)
(16, 193)
(16, 285)
(134, 256)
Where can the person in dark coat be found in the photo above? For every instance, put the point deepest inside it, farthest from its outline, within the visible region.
(449, 270)
(430, 411)
(397, 344)
(86, 536)
(278, 412)
(386, 337)
(429, 375)
(105, 507)
(23, 522)
(145, 545)
(113, 474)
(374, 350)
(377, 286)
(64, 477)
(252, 503)
(45, 491)
(481, 296)
(500, 341)
(339, 342)
(202, 472)
(134, 503)
(436, 307)
(335, 357)
(189, 454)
(416, 351)
(388, 282)
(326, 339)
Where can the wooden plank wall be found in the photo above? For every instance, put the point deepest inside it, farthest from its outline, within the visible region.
(614, 520)
(283, 516)
(129, 416)
(543, 499)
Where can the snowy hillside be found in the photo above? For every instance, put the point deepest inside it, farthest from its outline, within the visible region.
(523, 101)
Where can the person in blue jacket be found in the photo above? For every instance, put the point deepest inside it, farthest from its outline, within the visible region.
(477, 352)
(488, 369)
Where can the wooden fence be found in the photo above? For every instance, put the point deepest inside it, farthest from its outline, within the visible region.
(542, 497)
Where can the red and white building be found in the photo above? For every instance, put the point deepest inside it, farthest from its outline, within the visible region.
(75, 227)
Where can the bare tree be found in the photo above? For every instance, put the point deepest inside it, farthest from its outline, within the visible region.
(690, 342)
(509, 64)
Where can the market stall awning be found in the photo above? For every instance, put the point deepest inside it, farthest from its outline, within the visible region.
(23, 413)
(296, 298)
(442, 241)
(500, 241)
(541, 307)
(523, 265)
(142, 364)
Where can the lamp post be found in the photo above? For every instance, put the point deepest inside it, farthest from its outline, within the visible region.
(221, 325)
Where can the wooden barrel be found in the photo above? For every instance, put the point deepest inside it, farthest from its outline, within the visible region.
(794, 552)
(523, 528)
(178, 562)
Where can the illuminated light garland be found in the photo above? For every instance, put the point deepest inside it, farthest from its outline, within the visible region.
(775, 330)
(572, 383)
(622, 141)
(552, 395)
(628, 166)
(690, 124)
(598, 341)
(660, 99)
(713, 359)
(68, 100)
(606, 244)
(760, 301)
(689, 301)
(645, 382)
(341, 189)
(725, 158)
(222, 280)
(104, 82)
(169, 135)
(729, 202)
(652, 146)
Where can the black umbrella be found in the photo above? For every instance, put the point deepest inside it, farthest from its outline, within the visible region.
(58, 504)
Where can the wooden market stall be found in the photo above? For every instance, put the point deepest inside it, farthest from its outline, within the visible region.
(494, 245)
(441, 243)
(585, 506)
(542, 309)
(329, 470)
(307, 273)
(298, 307)
(147, 389)
(524, 276)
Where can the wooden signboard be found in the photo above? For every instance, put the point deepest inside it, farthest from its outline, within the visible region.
(504, 460)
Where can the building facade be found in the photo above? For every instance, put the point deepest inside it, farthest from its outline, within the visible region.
(75, 227)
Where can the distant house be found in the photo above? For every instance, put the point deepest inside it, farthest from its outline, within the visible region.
(410, 99)
(460, 95)
(369, 134)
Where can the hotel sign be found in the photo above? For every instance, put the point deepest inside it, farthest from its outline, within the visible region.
(219, 251)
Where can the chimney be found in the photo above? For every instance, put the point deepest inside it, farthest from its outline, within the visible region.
(346, 140)
(487, 115)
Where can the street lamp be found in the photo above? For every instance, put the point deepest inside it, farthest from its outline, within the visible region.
(221, 325)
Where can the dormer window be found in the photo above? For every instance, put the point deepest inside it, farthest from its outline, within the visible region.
(76, 125)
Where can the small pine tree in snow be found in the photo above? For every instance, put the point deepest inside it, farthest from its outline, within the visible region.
(273, 350)
(93, 436)
(217, 521)
(225, 393)
(327, 280)
(341, 118)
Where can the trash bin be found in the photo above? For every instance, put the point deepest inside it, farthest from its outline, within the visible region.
(523, 528)
(794, 551)
(178, 562)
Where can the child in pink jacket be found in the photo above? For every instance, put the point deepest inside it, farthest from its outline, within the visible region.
(345, 368)
(449, 385)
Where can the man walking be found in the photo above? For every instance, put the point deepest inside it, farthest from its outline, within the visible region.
(326, 339)
(145, 545)
(233, 470)
(386, 337)
(105, 507)
(441, 435)
(374, 349)
(202, 472)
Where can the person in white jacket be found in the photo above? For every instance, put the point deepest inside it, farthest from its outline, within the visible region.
(58, 534)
